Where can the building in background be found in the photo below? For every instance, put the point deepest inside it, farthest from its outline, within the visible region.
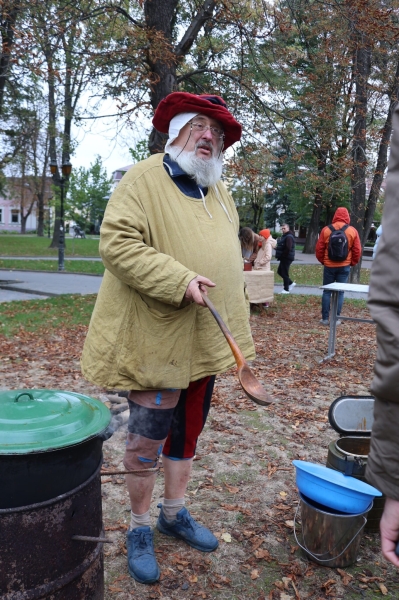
(118, 174)
(19, 204)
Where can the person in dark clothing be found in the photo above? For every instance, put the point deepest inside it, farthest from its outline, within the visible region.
(285, 253)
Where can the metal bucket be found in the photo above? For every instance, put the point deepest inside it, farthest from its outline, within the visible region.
(329, 538)
(41, 555)
(349, 455)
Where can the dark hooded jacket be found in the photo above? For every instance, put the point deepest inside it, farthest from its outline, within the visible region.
(340, 219)
(383, 461)
(286, 247)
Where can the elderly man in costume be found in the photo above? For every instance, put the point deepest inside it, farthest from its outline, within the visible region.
(169, 234)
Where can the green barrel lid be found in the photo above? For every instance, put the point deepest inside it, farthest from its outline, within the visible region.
(40, 420)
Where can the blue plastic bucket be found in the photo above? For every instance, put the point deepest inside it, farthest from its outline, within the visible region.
(333, 489)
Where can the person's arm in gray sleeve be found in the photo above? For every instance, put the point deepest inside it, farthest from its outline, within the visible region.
(383, 462)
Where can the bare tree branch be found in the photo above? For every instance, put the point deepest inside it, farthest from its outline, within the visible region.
(193, 29)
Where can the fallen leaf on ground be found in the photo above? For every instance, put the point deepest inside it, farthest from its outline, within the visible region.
(261, 553)
(248, 533)
(184, 563)
(232, 489)
(383, 589)
(121, 526)
(279, 585)
(256, 544)
(230, 506)
(346, 577)
(328, 585)
(287, 582)
(226, 537)
(289, 523)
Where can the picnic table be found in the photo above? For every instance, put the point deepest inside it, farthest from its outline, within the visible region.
(335, 288)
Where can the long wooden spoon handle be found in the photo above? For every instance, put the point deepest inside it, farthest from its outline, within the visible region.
(250, 384)
(238, 355)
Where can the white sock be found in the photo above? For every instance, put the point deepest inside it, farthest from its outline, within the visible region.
(139, 520)
(171, 507)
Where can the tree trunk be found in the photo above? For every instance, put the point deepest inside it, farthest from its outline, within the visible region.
(382, 161)
(160, 17)
(362, 66)
(382, 158)
(40, 214)
(24, 218)
(313, 229)
(52, 141)
(22, 204)
(9, 17)
(257, 215)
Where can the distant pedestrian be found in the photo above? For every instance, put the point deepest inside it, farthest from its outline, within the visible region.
(338, 254)
(373, 234)
(264, 256)
(285, 253)
(249, 241)
(377, 239)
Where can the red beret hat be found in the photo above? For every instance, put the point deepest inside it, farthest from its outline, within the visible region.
(211, 106)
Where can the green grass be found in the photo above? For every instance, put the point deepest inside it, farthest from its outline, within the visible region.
(254, 420)
(64, 312)
(71, 266)
(282, 302)
(301, 274)
(31, 245)
(313, 274)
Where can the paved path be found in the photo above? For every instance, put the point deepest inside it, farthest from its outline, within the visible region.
(28, 285)
(305, 259)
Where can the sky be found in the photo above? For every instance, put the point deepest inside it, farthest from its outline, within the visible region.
(114, 154)
(108, 138)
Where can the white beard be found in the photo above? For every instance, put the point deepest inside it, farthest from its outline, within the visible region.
(205, 171)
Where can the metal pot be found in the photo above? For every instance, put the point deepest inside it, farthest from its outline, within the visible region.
(50, 443)
(352, 417)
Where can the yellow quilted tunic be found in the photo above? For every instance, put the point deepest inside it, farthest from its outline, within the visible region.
(154, 241)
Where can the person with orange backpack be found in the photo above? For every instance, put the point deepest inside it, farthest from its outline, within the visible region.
(338, 249)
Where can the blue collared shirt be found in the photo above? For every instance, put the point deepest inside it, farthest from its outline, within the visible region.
(184, 182)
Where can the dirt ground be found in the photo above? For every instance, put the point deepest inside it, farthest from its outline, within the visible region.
(243, 484)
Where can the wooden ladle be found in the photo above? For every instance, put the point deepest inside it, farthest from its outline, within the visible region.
(249, 383)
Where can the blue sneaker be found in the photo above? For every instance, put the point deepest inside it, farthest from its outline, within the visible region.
(141, 561)
(185, 528)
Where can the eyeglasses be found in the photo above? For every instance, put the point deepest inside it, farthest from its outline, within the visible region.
(201, 128)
